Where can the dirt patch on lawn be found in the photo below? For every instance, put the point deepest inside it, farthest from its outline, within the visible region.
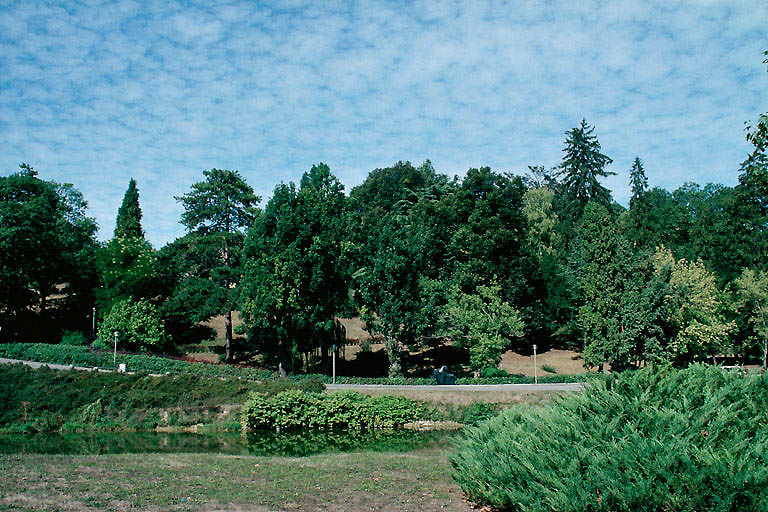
(564, 362)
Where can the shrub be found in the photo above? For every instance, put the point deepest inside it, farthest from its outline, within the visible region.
(138, 326)
(650, 440)
(490, 372)
(74, 338)
(548, 368)
(300, 409)
(477, 412)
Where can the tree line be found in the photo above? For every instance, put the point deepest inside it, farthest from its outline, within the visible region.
(488, 261)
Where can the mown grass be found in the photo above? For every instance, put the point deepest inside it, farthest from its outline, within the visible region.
(418, 480)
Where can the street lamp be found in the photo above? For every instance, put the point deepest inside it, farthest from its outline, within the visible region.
(535, 373)
(114, 359)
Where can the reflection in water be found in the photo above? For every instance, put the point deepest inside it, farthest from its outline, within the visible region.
(291, 444)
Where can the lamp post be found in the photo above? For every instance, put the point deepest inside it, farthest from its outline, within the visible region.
(114, 359)
(93, 319)
(535, 372)
(334, 362)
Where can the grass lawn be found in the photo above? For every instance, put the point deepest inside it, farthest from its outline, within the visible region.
(418, 480)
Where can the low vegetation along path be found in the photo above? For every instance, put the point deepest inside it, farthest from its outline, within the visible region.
(565, 386)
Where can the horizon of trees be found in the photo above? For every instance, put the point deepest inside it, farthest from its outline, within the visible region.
(489, 261)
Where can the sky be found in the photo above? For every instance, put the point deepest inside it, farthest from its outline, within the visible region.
(94, 93)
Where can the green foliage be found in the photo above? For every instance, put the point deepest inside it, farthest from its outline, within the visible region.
(74, 338)
(47, 400)
(478, 412)
(128, 223)
(617, 315)
(650, 440)
(216, 213)
(583, 165)
(299, 409)
(138, 326)
(484, 323)
(637, 180)
(126, 268)
(694, 312)
(752, 300)
(46, 239)
(296, 278)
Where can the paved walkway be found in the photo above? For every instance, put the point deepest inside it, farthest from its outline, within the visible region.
(522, 388)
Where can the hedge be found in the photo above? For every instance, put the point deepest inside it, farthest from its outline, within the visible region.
(89, 357)
(92, 357)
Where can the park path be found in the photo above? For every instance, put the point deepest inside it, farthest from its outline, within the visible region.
(522, 388)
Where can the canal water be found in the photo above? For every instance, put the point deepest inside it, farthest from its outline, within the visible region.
(265, 443)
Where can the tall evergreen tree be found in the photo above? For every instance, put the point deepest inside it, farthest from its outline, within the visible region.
(295, 280)
(582, 167)
(128, 223)
(217, 211)
(126, 264)
(637, 180)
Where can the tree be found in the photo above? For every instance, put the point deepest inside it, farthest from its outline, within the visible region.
(752, 300)
(216, 213)
(637, 180)
(128, 223)
(582, 166)
(620, 307)
(693, 310)
(126, 264)
(296, 277)
(484, 323)
(126, 268)
(46, 239)
(137, 324)
(393, 288)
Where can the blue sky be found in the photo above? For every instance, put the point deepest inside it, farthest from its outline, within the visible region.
(99, 92)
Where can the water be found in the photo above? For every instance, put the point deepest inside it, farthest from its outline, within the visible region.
(266, 443)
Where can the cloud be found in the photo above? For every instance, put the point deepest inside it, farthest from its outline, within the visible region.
(97, 94)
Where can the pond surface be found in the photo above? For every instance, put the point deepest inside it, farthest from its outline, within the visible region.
(266, 443)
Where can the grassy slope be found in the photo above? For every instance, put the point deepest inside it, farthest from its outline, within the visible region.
(344, 482)
(51, 398)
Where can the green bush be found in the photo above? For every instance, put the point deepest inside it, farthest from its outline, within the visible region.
(138, 326)
(652, 440)
(74, 338)
(491, 372)
(477, 412)
(548, 368)
(300, 409)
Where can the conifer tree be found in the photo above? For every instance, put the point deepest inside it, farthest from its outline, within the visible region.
(582, 166)
(217, 212)
(129, 215)
(637, 179)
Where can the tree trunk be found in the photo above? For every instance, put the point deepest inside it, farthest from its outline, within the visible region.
(765, 354)
(228, 335)
(282, 356)
(394, 355)
(43, 311)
